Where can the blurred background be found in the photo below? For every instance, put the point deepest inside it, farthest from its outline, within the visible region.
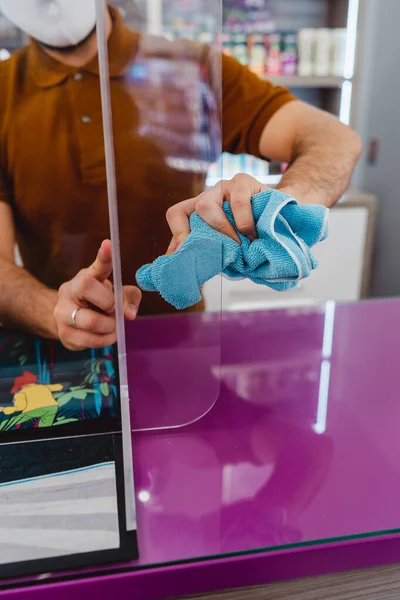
(340, 55)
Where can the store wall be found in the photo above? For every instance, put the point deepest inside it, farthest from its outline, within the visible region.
(377, 117)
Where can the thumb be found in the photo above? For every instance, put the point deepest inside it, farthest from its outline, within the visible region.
(132, 299)
(101, 269)
(173, 247)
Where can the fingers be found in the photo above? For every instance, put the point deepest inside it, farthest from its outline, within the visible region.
(208, 206)
(240, 199)
(212, 213)
(102, 267)
(173, 247)
(178, 219)
(92, 293)
(132, 299)
(84, 288)
(93, 330)
(90, 321)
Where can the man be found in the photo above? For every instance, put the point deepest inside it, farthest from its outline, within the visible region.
(53, 198)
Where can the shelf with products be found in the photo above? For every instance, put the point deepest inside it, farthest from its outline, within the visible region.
(297, 43)
(309, 47)
(308, 56)
(301, 44)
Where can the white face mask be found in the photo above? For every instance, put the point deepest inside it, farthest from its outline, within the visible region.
(58, 23)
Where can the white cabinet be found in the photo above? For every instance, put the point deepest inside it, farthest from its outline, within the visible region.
(343, 272)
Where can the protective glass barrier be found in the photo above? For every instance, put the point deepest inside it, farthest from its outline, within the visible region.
(61, 445)
(54, 218)
(65, 419)
(160, 71)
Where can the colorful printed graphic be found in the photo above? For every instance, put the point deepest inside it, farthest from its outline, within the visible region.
(44, 385)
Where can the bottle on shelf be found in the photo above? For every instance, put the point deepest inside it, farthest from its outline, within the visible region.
(339, 40)
(257, 54)
(289, 53)
(240, 49)
(273, 42)
(323, 52)
(227, 44)
(306, 51)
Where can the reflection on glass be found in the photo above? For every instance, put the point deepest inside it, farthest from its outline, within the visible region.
(166, 132)
(322, 411)
(327, 345)
(164, 99)
(329, 325)
(351, 41)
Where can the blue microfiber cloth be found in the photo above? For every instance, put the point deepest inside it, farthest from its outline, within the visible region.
(278, 258)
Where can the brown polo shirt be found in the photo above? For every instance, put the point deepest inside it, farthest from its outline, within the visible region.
(166, 129)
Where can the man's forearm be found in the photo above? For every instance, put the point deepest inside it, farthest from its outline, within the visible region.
(26, 303)
(324, 157)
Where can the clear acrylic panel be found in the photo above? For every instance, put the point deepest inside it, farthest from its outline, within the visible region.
(161, 80)
(66, 466)
(54, 216)
(65, 417)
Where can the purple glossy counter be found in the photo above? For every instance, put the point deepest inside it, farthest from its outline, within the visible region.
(293, 471)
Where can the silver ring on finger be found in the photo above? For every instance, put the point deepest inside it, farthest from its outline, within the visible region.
(73, 317)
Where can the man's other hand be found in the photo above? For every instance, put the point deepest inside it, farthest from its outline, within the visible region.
(85, 311)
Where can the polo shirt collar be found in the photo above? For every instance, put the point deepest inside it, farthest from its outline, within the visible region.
(122, 49)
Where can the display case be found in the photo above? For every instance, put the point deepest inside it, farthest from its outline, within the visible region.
(288, 476)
